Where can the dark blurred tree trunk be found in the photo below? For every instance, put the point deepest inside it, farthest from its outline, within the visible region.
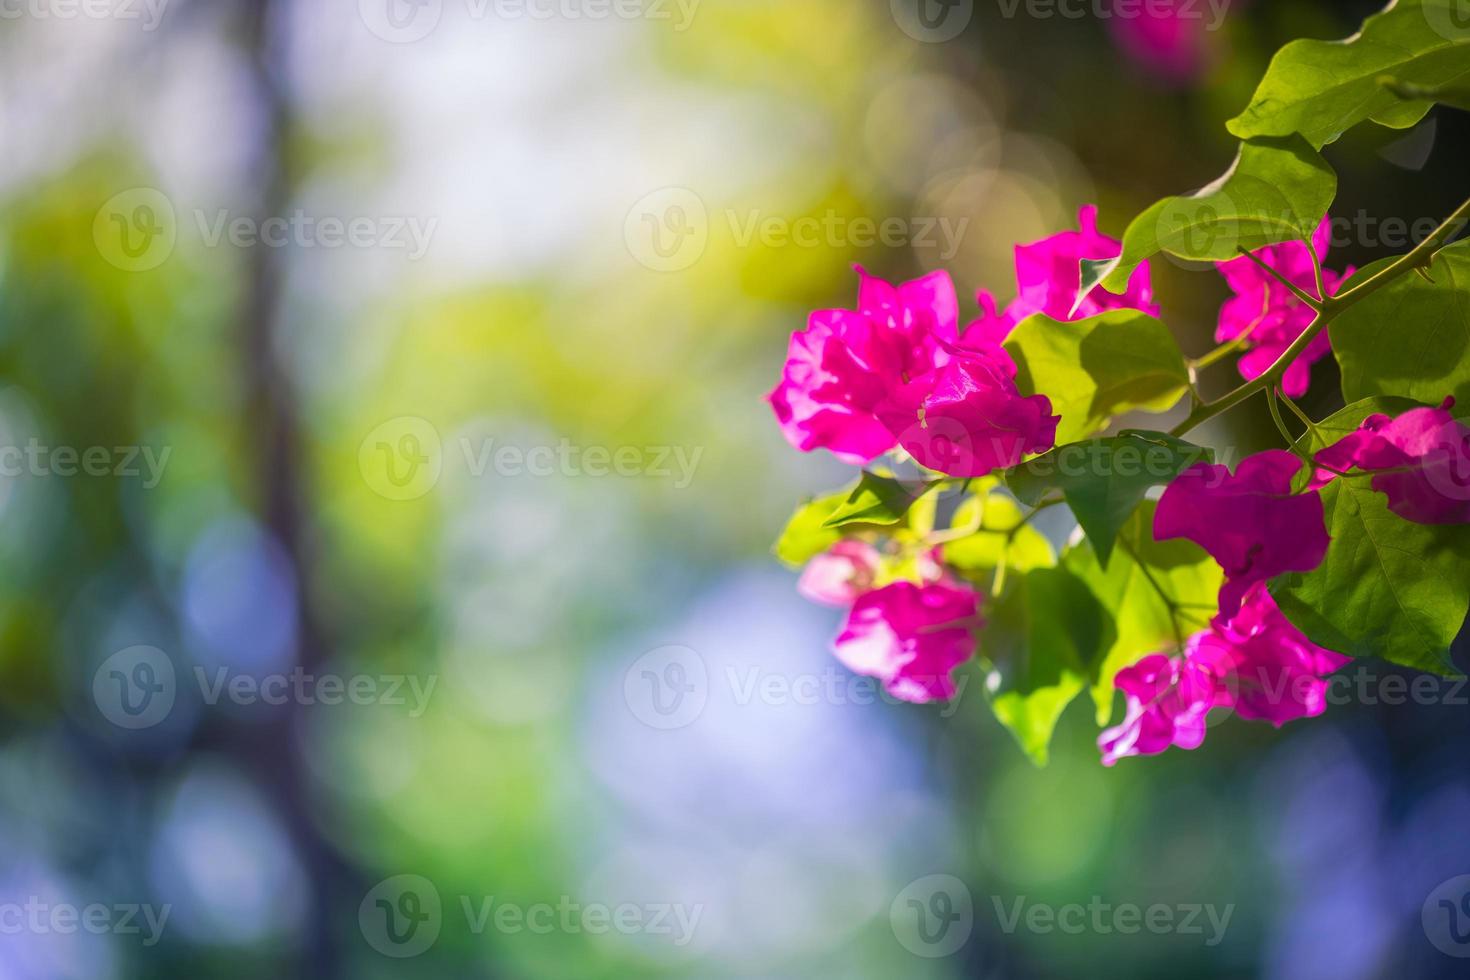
(272, 425)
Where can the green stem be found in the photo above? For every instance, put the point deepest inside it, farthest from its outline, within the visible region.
(1291, 441)
(1296, 290)
(1297, 411)
(1331, 308)
(1219, 353)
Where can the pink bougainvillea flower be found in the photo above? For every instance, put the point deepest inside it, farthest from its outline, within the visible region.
(840, 574)
(968, 418)
(1255, 661)
(1251, 522)
(911, 637)
(847, 361)
(1049, 276)
(1273, 672)
(1270, 316)
(1426, 452)
(1169, 38)
(990, 328)
(1167, 700)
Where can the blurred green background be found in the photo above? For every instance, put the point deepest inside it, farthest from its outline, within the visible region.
(476, 426)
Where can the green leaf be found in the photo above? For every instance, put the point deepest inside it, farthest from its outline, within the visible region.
(1388, 587)
(1277, 190)
(1104, 480)
(1039, 645)
(1456, 94)
(877, 500)
(1096, 368)
(1023, 550)
(1142, 620)
(1321, 89)
(806, 534)
(1411, 338)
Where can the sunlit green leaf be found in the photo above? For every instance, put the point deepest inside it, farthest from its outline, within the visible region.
(1104, 480)
(1321, 89)
(1023, 548)
(1277, 190)
(1456, 94)
(878, 500)
(1097, 368)
(806, 534)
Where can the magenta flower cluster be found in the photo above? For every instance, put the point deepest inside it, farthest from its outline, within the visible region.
(898, 373)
